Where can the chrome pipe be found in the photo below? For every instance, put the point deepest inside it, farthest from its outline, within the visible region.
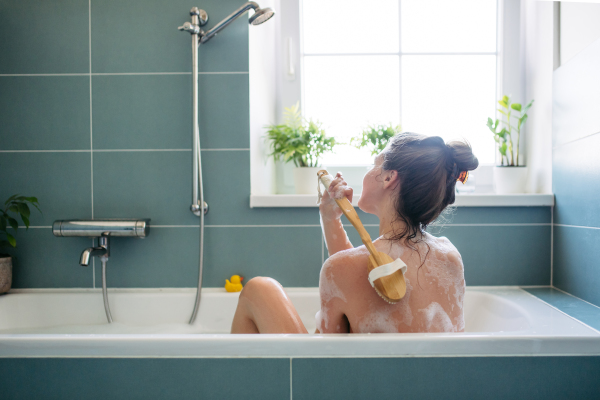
(228, 20)
(104, 259)
(123, 227)
(195, 126)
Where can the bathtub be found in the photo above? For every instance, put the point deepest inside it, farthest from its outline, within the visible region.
(503, 321)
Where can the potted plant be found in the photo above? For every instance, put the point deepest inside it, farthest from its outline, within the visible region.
(301, 142)
(375, 137)
(17, 206)
(511, 175)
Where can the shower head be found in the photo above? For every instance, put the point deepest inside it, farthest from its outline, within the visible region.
(261, 15)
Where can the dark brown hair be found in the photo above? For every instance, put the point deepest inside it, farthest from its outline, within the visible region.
(427, 170)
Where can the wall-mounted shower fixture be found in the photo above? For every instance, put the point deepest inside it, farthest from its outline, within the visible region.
(200, 18)
(102, 229)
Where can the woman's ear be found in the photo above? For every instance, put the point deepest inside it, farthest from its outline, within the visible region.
(390, 179)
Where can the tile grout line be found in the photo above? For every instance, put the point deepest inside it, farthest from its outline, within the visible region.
(91, 130)
(113, 150)
(291, 390)
(130, 73)
(562, 312)
(578, 298)
(287, 226)
(552, 247)
(577, 226)
(575, 140)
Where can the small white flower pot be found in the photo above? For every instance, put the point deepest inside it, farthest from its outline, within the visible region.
(5, 274)
(510, 180)
(305, 180)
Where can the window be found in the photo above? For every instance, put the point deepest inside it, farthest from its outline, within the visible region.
(430, 65)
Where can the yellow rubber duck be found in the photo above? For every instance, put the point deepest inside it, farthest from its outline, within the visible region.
(235, 285)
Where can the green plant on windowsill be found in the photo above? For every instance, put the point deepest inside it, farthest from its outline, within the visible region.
(18, 206)
(298, 140)
(302, 142)
(504, 137)
(375, 137)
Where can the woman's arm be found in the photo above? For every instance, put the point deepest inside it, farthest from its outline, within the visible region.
(331, 317)
(331, 223)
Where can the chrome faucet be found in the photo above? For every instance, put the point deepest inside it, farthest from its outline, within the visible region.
(102, 251)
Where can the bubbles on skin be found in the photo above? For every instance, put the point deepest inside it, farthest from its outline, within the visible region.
(436, 319)
(442, 271)
(388, 318)
(339, 192)
(328, 291)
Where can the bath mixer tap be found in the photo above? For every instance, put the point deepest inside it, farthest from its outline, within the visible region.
(102, 251)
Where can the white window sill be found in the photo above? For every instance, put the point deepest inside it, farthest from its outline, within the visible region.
(462, 200)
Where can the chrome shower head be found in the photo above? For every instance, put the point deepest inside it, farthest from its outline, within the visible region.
(261, 15)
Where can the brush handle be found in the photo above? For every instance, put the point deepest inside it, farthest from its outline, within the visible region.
(352, 216)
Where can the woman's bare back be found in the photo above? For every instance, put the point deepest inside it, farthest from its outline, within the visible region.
(434, 291)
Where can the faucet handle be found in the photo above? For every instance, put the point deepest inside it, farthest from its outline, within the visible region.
(189, 27)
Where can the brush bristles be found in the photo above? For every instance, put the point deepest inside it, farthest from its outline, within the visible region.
(385, 298)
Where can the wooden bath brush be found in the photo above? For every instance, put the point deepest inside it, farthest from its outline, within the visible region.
(386, 275)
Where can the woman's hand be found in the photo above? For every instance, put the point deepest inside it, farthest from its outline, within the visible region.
(338, 189)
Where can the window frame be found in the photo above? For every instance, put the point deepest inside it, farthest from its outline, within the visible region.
(291, 49)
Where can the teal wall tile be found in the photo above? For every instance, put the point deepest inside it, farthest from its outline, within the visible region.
(40, 37)
(227, 192)
(46, 261)
(446, 378)
(156, 185)
(482, 215)
(576, 182)
(576, 255)
(168, 257)
(155, 111)
(44, 112)
(292, 256)
(224, 111)
(496, 215)
(503, 255)
(145, 378)
(142, 112)
(576, 308)
(60, 181)
(121, 44)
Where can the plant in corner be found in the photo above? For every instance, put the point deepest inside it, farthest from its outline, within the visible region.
(509, 176)
(302, 142)
(375, 137)
(17, 206)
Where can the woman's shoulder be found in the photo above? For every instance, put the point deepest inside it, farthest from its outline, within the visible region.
(445, 247)
(345, 258)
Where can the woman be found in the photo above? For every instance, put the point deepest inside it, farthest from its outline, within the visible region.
(412, 181)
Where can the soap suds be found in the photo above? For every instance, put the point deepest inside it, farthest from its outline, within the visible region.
(386, 318)
(436, 319)
(339, 192)
(328, 290)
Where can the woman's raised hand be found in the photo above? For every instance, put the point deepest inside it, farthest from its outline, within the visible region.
(337, 190)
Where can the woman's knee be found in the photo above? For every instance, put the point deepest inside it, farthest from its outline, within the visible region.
(260, 285)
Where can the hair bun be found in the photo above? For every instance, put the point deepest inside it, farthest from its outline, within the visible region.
(463, 156)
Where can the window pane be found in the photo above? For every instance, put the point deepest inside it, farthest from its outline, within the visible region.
(448, 25)
(451, 97)
(350, 26)
(346, 93)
